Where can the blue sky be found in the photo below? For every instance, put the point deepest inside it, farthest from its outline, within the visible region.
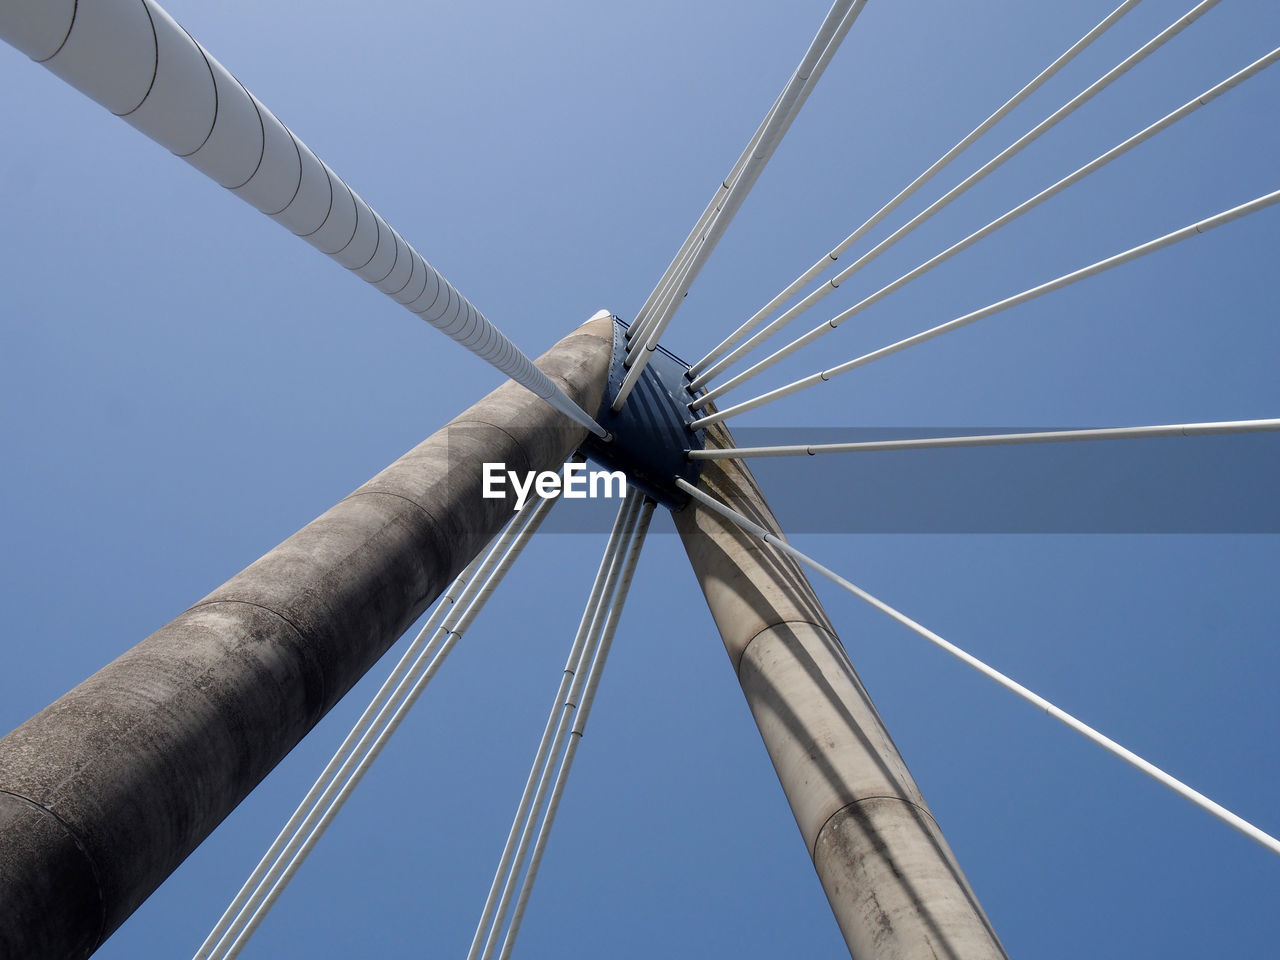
(184, 384)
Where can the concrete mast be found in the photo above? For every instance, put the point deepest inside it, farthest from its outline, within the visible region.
(893, 884)
(107, 790)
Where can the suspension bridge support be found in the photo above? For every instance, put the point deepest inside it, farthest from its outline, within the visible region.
(106, 791)
(893, 884)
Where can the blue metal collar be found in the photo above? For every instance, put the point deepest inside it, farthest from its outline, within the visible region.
(651, 433)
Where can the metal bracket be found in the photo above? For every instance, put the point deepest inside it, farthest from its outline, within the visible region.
(651, 433)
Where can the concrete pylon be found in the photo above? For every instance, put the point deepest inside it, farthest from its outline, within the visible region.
(892, 881)
(107, 790)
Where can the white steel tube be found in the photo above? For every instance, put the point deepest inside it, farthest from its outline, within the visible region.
(570, 704)
(662, 294)
(685, 266)
(525, 807)
(425, 636)
(994, 439)
(679, 261)
(135, 60)
(1128, 756)
(1083, 273)
(834, 27)
(490, 573)
(615, 614)
(831, 33)
(1076, 176)
(319, 799)
(655, 306)
(964, 143)
(734, 188)
(1148, 48)
(579, 727)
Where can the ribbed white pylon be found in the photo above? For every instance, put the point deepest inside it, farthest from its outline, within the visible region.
(135, 60)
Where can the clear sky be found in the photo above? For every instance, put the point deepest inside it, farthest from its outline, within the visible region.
(184, 384)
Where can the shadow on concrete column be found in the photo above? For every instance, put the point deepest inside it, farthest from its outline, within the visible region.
(106, 791)
(892, 881)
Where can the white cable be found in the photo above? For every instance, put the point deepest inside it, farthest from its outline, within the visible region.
(805, 278)
(680, 260)
(569, 705)
(831, 33)
(733, 189)
(834, 27)
(1076, 176)
(1133, 253)
(643, 325)
(252, 911)
(1017, 146)
(426, 634)
(674, 283)
(453, 633)
(504, 553)
(571, 670)
(134, 59)
(1128, 756)
(994, 439)
(579, 728)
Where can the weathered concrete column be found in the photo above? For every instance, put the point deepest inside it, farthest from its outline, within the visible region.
(107, 790)
(892, 881)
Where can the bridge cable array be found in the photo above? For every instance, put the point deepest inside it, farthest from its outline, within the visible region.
(1133, 253)
(1004, 219)
(909, 190)
(454, 613)
(565, 726)
(1081, 98)
(671, 288)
